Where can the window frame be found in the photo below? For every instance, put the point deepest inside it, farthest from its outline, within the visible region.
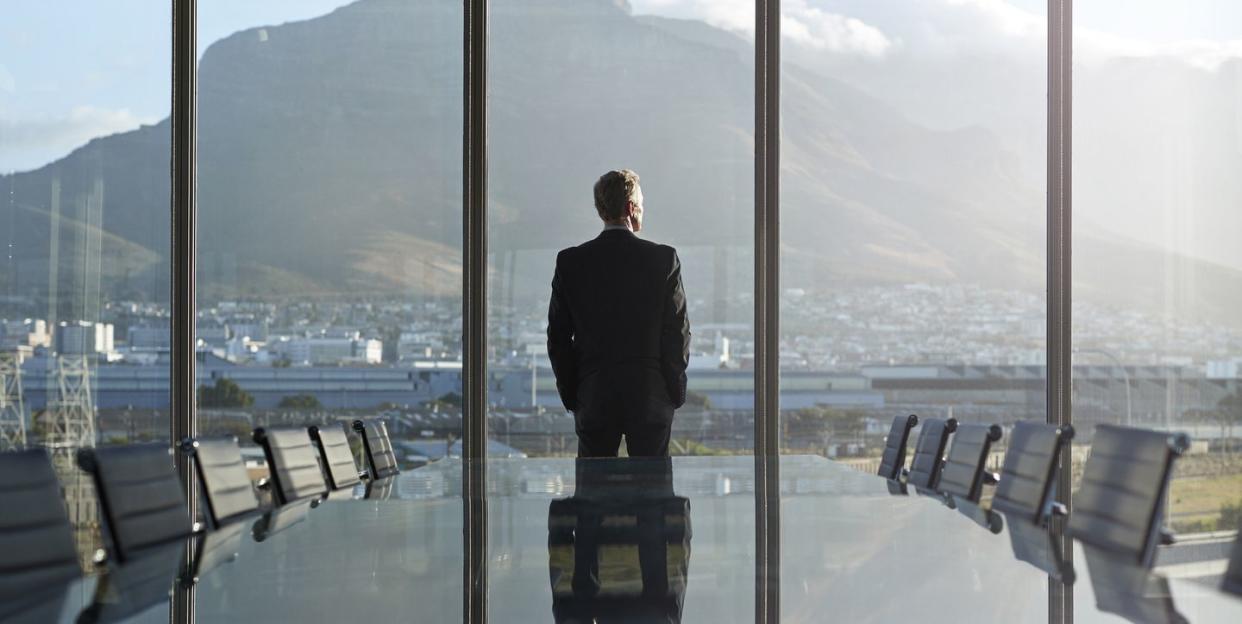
(183, 174)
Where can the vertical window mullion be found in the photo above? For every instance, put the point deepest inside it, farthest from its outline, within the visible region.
(1059, 277)
(767, 310)
(474, 311)
(184, 422)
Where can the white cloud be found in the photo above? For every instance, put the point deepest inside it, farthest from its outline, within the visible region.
(31, 142)
(1092, 45)
(801, 23)
(821, 30)
(933, 28)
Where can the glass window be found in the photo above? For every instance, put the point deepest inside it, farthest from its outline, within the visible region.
(84, 234)
(912, 216)
(577, 89)
(913, 240)
(1156, 266)
(329, 230)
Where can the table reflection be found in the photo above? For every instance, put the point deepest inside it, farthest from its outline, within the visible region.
(1131, 591)
(1038, 546)
(619, 548)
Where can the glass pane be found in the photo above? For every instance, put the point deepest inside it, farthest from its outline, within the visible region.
(578, 88)
(1157, 271)
(912, 261)
(329, 244)
(84, 234)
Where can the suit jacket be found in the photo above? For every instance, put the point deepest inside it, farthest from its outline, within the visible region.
(617, 320)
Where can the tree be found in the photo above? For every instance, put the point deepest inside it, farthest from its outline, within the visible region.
(226, 393)
(1228, 413)
(450, 398)
(300, 402)
(699, 400)
(1230, 516)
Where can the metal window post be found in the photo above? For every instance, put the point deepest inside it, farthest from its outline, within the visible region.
(767, 310)
(184, 118)
(474, 312)
(1059, 278)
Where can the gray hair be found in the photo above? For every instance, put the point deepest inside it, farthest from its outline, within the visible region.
(612, 191)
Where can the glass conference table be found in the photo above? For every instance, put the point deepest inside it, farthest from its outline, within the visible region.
(636, 541)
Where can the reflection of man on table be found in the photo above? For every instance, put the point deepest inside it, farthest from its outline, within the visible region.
(619, 549)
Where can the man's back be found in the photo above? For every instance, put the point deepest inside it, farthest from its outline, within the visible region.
(618, 335)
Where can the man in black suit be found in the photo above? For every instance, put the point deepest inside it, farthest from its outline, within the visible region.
(618, 335)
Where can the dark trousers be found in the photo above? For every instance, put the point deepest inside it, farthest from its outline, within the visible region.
(630, 403)
(641, 440)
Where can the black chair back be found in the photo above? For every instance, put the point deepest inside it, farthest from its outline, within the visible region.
(338, 459)
(381, 461)
(929, 452)
(1119, 507)
(140, 496)
(963, 473)
(36, 539)
(222, 473)
(1233, 575)
(1027, 487)
(894, 458)
(292, 464)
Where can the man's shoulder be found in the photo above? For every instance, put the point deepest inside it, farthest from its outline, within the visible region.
(599, 245)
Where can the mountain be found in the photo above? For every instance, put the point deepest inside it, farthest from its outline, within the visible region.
(330, 162)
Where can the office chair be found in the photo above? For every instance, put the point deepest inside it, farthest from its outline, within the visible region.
(1120, 505)
(140, 497)
(929, 453)
(1027, 490)
(381, 461)
(894, 459)
(292, 464)
(225, 485)
(964, 471)
(36, 539)
(338, 459)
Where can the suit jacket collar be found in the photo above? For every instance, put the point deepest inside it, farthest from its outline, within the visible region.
(617, 233)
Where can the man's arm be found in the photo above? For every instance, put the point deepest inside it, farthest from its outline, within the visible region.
(561, 343)
(675, 336)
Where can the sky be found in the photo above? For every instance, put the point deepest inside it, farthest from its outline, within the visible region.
(71, 70)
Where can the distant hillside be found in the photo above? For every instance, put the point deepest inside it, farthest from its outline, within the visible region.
(330, 156)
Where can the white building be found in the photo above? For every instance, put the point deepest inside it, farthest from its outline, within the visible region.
(83, 338)
(318, 350)
(24, 333)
